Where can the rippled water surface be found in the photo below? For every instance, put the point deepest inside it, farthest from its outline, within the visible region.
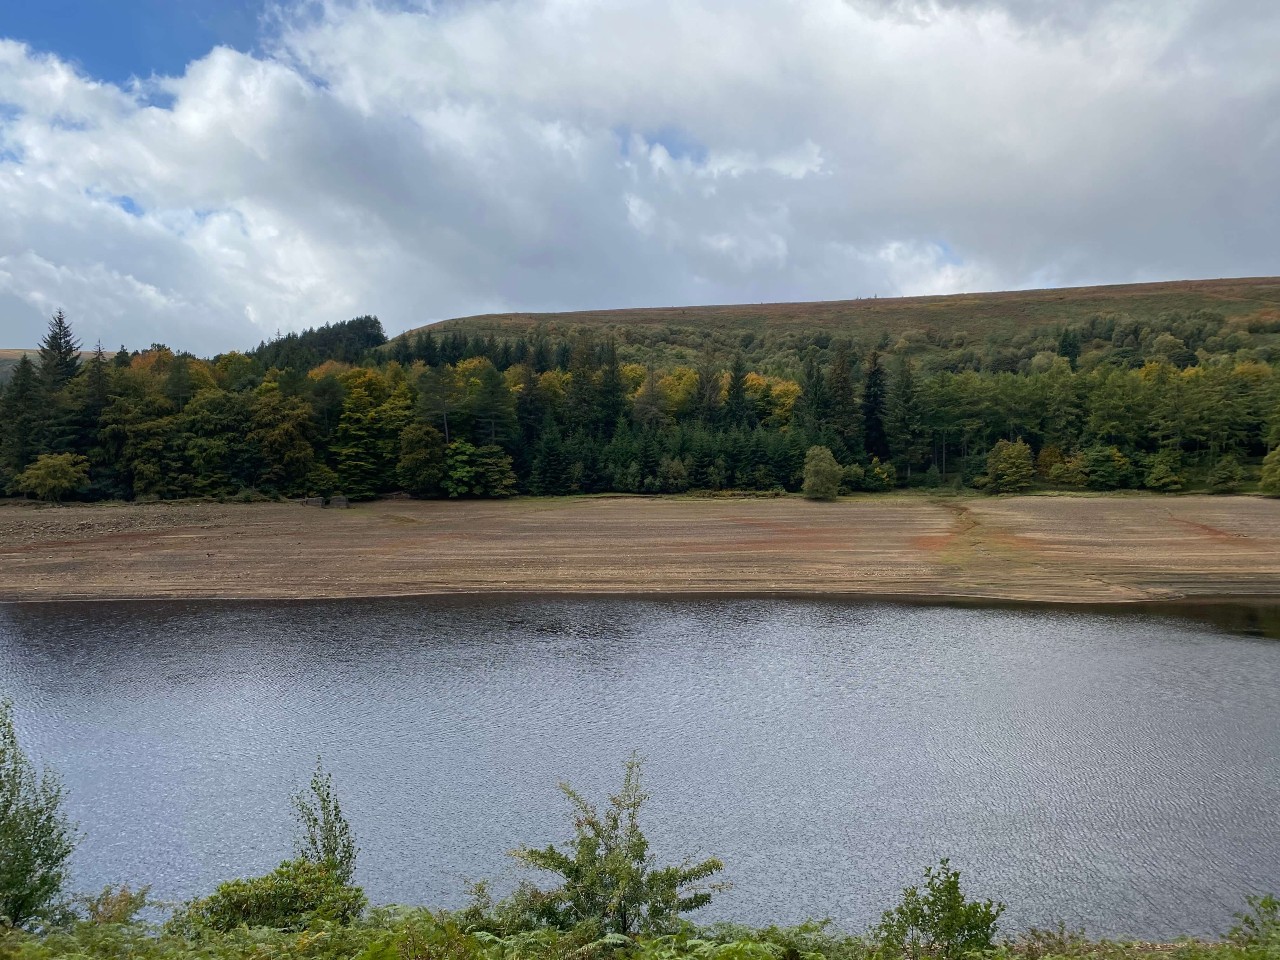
(1121, 772)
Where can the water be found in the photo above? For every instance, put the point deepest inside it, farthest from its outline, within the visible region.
(1119, 772)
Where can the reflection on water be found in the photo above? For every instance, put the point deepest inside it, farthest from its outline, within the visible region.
(1119, 770)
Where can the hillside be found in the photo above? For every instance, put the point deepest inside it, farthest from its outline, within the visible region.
(9, 359)
(772, 330)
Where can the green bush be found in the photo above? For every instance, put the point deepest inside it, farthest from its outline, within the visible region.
(1226, 475)
(54, 476)
(879, 476)
(1259, 925)
(1010, 467)
(293, 896)
(1164, 474)
(1106, 468)
(1270, 484)
(938, 922)
(36, 838)
(608, 878)
(324, 836)
(114, 905)
(822, 474)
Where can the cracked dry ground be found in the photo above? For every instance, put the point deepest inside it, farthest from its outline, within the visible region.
(1087, 549)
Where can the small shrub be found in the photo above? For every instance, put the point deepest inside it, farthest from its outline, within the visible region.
(1070, 472)
(1106, 468)
(1270, 484)
(293, 896)
(880, 476)
(36, 838)
(608, 878)
(1164, 475)
(938, 922)
(822, 474)
(116, 905)
(853, 477)
(1010, 467)
(324, 836)
(1226, 475)
(54, 476)
(1259, 925)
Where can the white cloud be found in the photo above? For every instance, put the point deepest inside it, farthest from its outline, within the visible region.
(435, 160)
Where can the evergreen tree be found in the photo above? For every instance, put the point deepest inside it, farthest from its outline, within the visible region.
(874, 396)
(19, 421)
(1069, 346)
(611, 400)
(845, 416)
(420, 469)
(737, 406)
(357, 446)
(59, 353)
(905, 420)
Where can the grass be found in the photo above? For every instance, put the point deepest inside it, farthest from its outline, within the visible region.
(419, 934)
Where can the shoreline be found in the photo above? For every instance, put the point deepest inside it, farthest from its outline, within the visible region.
(1074, 552)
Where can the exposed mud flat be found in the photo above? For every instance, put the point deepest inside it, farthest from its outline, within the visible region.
(1088, 549)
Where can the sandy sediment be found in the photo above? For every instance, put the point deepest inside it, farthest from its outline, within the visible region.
(1038, 548)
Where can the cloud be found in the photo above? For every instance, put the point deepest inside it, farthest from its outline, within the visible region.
(435, 160)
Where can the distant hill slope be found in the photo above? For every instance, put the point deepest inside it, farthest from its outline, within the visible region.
(978, 314)
(9, 359)
(771, 334)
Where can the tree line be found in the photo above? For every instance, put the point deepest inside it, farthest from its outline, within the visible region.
(341, 410)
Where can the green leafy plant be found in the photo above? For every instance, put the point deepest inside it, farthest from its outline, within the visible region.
(36, 838)
(295, 895)
(608, 877)
(114, 905)
(54, 476)
(937, 922)
(822, 474)
(1226, 475)
(1010, 467)
(324, 836)
(1258, 925)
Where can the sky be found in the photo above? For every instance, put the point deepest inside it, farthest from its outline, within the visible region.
(208, 173)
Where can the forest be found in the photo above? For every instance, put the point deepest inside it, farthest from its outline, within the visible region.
(1169, 402)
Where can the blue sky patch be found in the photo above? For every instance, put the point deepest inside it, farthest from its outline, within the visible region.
(115, 40)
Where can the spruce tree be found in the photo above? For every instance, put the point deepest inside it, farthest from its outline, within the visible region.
(874, 391)
(905, 426)
(20, 406)
(737, 407)
(59, 353)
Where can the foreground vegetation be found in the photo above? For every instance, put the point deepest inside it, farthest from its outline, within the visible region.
(609, 899)
(1073, 391)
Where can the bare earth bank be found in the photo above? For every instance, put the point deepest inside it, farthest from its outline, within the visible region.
(1081, 549)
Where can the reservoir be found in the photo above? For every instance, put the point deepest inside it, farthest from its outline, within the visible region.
(1118, 770)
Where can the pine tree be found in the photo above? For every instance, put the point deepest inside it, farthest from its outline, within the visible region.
(845, 416)
(737, 407)
(20, 405)
(874, 390)
(905, 421)
(612, 398)
(59, 353)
